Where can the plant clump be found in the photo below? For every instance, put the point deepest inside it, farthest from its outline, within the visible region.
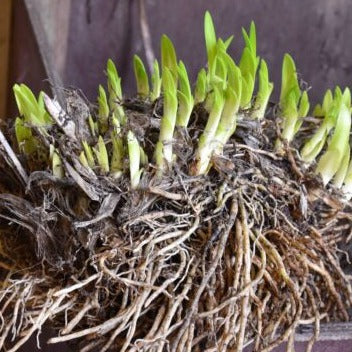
(184, 219)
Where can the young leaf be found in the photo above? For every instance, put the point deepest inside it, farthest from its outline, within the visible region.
(232, 96)
(168, 120)
(83, 159)
(248, 67)
(102, 155)
(56, 164)
(134, 157)
(103, 110)
(185, 97)
(156, 82)
(210, 39)
(115, 92)
(27, 143)
(114, 83)
(201, 87)
(168, 56)
(89, 154)
(342, 171)
(207, 142)
(330, 162)
(141, 77)
(264, 92)
(116, 164)
(289, 83)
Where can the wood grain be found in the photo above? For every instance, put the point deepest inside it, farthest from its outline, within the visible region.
(5, 39)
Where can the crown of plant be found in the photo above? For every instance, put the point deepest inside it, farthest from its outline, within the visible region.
(225, 89)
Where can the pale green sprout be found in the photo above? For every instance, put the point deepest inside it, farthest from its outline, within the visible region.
(56, 163)
(168, 57)
(83, 159)
(34, 114)
(30, 108)
(248, 66)
(115, 92)
(207, 142)
(143, 156)
(185, 98)
(210, 42)
(342, 171)
(141, 77)
(232, 97)
(88, 154)
(93, 126)
(329, 110)
(264, 91)
(322, 109)
(330, 162)
(294, 105)
(116, 164)
(103, 112)
(218, 77)
(27, 143)
(156, 82)
(163, 151)
(134, 154)
(102, 155)
(289, 83)
(200, 91)
(347, 187)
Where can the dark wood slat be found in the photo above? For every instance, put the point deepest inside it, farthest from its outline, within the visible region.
(45, 49)
(5, 38)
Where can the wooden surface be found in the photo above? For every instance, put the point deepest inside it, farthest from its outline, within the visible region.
(5, 38)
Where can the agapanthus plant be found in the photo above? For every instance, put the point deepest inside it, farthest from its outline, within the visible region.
(185, 218)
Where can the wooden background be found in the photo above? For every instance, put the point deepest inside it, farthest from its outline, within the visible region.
(82, 34)
(70, 41)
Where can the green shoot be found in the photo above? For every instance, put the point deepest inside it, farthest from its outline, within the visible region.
(83, 159)
(141, 78)
(93, 126)
(156, 82)
(232, 96)
(185, 98)
(329, 110)
(134, 157)
(342, 171)
(294, 105)
(322, 110)
(331, 160)
(289, 83)
(210, 40)
(200, 91)
(104, 111)
(102, 155)
(347, 187)
(56, 163)
(116, 164)
(248, 66)
(115, 92)
(164, 146)
(207, 142)
(168, 57)
(89, 154)
(27, 143)
(264, 92)
(30, 108)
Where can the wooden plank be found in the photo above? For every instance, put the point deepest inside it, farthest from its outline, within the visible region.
(51, 33)
(5, 38)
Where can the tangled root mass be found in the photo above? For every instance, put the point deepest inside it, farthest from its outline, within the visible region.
(242, 255)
